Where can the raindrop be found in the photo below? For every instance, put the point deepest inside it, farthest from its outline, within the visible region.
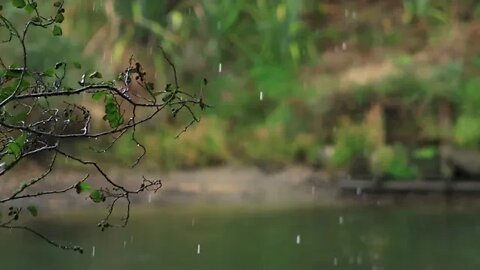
(351, 260)
(150, 198)
(354, 15)
(198, 249)
(124, 244)
(190, 11)
(374, 267)
(219, 25)
(340, 220)
(220, 68)
(193, 222)
(335, 261)
(93, 251)
(261, 95)
(359, 191)
(298, 239)
(131, 239)
(347, 13)
(313, 190)
(344, 46)
(93, 6)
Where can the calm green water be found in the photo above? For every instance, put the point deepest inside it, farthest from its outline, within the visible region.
(258, 238)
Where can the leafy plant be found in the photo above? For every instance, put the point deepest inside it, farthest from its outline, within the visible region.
(351, 141)
(392, 163)
(40, 112)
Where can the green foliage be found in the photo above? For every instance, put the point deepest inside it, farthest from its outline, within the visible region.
(434, 11)
(425, 153)
(33, 210)
(19, 3)
(57, 30)
(351, 141)
(392, 163)
(113, 115)
(15, 147)
(466, 131)
(82, 187)
(97, 196)
(204, 144)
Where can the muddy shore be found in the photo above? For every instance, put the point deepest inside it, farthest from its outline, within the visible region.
(210, 185)
(218, 185)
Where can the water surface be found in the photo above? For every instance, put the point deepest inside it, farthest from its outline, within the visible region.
(233, 237)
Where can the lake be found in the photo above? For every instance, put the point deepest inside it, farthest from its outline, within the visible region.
(257, 237)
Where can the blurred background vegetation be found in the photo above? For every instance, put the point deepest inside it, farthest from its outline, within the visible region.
(369, 86)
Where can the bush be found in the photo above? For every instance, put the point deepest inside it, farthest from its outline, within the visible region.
(351, 141)
(392, 163)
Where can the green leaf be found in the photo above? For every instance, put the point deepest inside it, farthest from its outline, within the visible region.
(95, 74)
(5, 92)
(33, 210)
(30, 7)
(49, 72)
(13, 73)
(18, 3)
(150, 86)
(23, 84)
(14, 149)
(57, 30)
(77, 65)
(59, 18)
(98, 95)
(20, 140)
(82, 187)
(97, 196)
(112, 112)
(168, 98)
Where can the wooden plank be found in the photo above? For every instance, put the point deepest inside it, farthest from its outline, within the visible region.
(409, 186)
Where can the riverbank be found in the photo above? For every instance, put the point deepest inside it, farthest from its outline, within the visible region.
(227, 184)
(221, 185)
